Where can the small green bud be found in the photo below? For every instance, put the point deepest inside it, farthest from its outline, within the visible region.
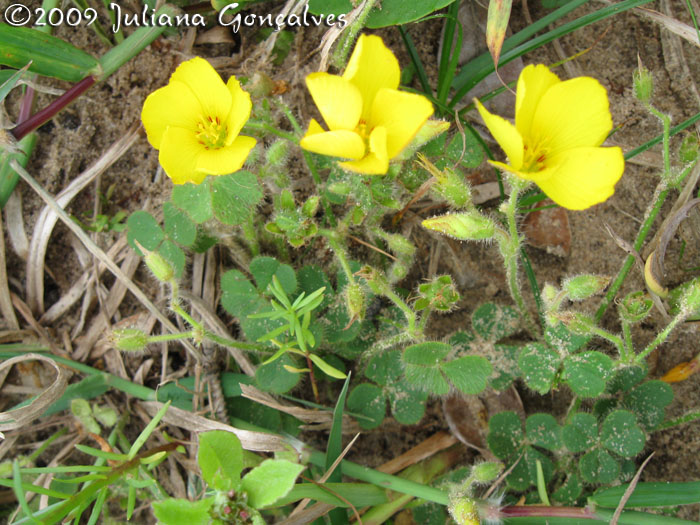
(287, 200)
(355, 301)
(398, 271)
(486, 472)
(690, 301)
(340, 188)
(578, 323)
(439, 294)
(467, 226)
(357, 216)
(583, 286)
(160, 267)
(465, 511)
(635, 307)
(676, 297)
(376, 281)
(690, 149)
(549, 293)
(260, 85)
(276, 154)
(129, 339)
(400, 245)
(310, 206)
(643, 83)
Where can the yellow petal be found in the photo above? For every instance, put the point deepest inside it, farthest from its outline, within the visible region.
(179, 150)
(402, 114)
(340, 143)
(157, 113)
(222, 161)
(207, 86)
(572, 114)
(372, 66)
(583, 177)
(240, 110)
(339, 102)
(505, 134)
(533, 82)
(376, 162)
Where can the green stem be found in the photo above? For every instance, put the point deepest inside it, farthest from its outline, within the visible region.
(339, 252)
(263, 126)
(688, 418)
(661, 337)
(628, 344)
(614, 339)
(666, 122)
(662, 192)
(251, 237)
(510, 248)
(170, 337)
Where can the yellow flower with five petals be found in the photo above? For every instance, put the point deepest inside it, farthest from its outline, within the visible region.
(194, 122)
(369, 120)
(555, 142)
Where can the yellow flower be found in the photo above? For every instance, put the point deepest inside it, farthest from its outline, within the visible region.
(369, 120)
(559, 127)
(194, 122)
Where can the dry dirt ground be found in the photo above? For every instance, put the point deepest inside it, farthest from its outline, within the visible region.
(81, 133)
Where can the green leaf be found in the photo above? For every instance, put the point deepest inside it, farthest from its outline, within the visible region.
(470, 373)
(621, 434)
(273, 377)
(270, 481)
(598, 467)
(648, 401)
(586, 373)
(385, 368)
(311, 278)
(505, 362)
(392, 12)
(543, 431)
(178, 226)
(239, 297)
(235, 196)
(326, 368)
(461, 342)
(182, 511)
(524, 474)
(423, 362)
(505, 434)
(174, 255)
(493, 322)
(626, 378)
(220, 456)
(407, 406)
(570, 490)
(539, 365)
(335, 324)
(263, 268)
(335, 439)
(194, 199)
(562, 339)
(581, 433)
(368, 399)
(50, 56)
(144, 229)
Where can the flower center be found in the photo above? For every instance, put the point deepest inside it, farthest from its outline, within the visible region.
(211, 133)
(535, 157)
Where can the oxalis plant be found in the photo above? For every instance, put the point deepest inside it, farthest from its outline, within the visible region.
(228, 149)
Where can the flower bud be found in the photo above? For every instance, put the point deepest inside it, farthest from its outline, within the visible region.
(643, 83)
(583, 286)
(160, 267)
(400, 245)
(464, 511)
(690, 300)
(355, 301)
(287, 200)
(276, 154)
(310, 206)
(690, 149)
(486, 472)
(635, 307)
(468, 226)
(129, 339)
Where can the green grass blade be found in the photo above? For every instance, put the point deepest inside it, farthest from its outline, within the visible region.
(335, 438)
(650, 495)
(50, 56)
(482, 66)
(146, 432)
(417, 62)
(96, 452)
(359, 494)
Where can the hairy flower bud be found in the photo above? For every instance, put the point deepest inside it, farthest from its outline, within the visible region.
(582, 287)
(129, 339)
(643, 83)
(468, 226)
